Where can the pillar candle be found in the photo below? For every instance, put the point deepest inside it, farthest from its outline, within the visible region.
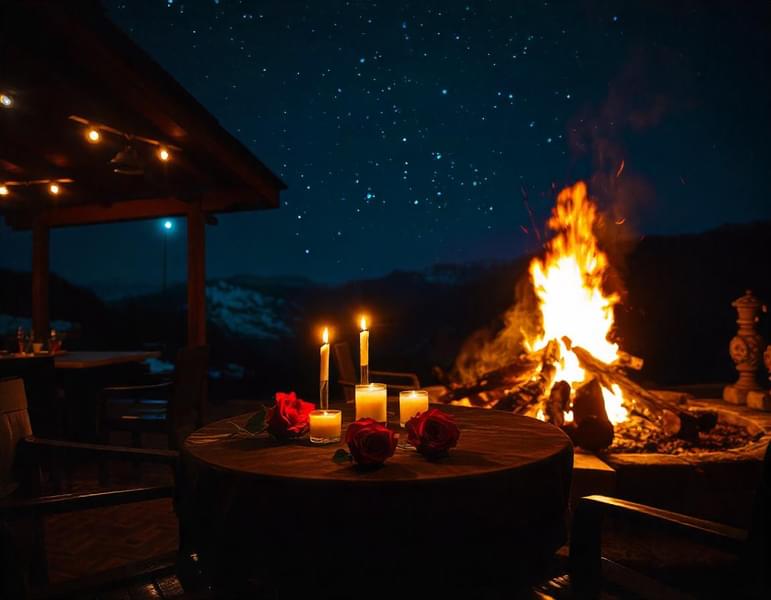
(324, 368)
(364, 344)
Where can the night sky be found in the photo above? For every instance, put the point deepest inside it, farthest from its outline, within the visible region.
(411, 133)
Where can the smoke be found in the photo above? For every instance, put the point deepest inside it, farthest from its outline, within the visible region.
(639, 98)
(490, 348)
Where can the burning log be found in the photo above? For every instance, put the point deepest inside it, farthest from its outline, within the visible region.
(665, 417)
(512, 375)
(592, 434)
(558, 403)
(593, 429)
(588, 402)
(629, 361)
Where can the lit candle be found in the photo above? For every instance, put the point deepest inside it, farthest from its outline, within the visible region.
(364, 351)
(412, 402)
(325, 426)
(324, 371)
(371, 401)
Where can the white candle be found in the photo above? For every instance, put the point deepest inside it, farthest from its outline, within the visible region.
(412, 402)
(324, 369)
(325, 426)
(371, 401)
(364, 344)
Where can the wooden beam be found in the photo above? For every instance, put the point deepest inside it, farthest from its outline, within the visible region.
(40, 258)
(219, 201)
(196, 276)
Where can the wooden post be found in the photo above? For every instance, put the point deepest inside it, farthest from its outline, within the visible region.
(40, 258)
(196, 276)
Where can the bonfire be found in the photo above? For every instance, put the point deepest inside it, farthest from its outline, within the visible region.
(555, 358)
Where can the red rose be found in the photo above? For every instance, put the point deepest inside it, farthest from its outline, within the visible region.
(289, 417)
(370, 442)
(433, 432)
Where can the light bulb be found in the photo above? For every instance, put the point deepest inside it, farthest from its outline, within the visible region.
(53, 188)
(3, 190)
(93, 135)
(167, 225)
(163, 154)
(6, 100)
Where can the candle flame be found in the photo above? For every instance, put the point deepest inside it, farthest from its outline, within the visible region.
(364, 323)
(325, 336)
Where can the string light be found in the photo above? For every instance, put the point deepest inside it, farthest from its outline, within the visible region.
(4, 190)
(6, 100)
(95, 131)
(53, 188)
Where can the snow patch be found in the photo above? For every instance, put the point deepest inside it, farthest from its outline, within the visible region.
(246, 312)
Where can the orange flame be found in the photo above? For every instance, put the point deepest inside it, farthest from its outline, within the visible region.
(568, 284)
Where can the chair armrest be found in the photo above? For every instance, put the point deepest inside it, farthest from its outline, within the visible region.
(169, 457)
(414, 382)
(49, 505)
(586, 535)
(729, 538)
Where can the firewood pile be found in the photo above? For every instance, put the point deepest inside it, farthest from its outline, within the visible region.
(656, 423)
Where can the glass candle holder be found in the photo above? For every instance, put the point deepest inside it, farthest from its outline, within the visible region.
(325, 426)
(371, 401)
(412, 402)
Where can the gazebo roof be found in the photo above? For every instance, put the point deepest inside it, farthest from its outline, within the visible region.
(65, 67)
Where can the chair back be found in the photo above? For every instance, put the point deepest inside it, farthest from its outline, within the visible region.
(39, 377)
(187, 408)
(14, 426)
(346, 371)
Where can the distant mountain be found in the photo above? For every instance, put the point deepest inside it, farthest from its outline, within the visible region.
(675, 312)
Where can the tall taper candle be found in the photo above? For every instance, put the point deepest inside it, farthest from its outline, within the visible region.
(324, 372)
(364, 351)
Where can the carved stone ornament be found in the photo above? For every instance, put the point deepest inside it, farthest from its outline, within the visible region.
(745, 349)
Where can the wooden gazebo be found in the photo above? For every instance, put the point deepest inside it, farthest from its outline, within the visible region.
(93, 130)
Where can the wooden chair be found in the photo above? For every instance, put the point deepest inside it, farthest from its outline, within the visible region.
(348, 375)
(23, 505)
(173, 408)
(588, 568)
(46, 406)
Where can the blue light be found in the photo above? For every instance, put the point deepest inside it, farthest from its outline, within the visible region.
(168, 225)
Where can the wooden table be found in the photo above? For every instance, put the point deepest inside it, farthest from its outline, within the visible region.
(90, 360)
(492, 511)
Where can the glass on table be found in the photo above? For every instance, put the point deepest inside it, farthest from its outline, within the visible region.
(372, 402)
(325, 426)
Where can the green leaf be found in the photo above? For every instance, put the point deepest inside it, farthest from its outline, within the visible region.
(256, 422)
(341, 456)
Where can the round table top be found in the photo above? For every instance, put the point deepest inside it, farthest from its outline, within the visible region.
(491, 442)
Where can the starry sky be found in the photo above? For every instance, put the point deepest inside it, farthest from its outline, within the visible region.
(417, 132)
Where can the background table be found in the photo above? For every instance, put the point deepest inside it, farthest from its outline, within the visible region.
(492, 511)
(91, 360)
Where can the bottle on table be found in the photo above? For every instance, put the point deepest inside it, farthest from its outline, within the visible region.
(21, 340)
(54, 343)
